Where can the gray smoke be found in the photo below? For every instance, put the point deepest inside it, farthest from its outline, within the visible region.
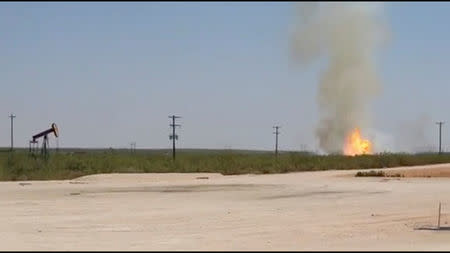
(347, 36)
(413, 135)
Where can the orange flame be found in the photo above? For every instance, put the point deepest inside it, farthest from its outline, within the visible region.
(355, 145)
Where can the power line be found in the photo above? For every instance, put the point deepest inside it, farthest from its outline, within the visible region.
(276, 139)
(12, 116)
(440, 131)
(173, 136)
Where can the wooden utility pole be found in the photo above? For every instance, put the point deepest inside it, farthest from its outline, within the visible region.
(276, 139)
(12, 116)
(440, 128)
(173, 136)
(133, 147)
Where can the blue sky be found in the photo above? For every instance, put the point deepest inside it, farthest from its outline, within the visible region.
(111, 73)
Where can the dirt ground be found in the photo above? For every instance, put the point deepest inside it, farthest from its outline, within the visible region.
(330, 210)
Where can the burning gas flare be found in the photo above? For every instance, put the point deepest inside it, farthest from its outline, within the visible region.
(355, 145)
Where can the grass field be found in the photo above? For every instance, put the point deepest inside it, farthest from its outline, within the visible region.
(19, 165)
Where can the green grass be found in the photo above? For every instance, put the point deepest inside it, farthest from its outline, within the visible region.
(20, 166)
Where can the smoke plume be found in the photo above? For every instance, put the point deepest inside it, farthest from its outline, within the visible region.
(412, 135)
(345, 35)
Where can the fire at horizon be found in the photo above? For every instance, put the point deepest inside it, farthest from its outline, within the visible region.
(356, 145)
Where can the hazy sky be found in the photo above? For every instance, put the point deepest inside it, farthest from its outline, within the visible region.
(111, 73)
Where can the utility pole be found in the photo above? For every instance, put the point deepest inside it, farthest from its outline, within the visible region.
(132, 147)
(440, 128)
(276, 139)
(173, 136)
(12, 116)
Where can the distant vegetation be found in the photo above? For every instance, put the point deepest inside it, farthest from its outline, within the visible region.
(68, 165)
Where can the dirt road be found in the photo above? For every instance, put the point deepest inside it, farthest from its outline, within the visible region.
(329, 210)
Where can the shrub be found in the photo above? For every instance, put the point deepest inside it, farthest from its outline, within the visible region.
(371, 173)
